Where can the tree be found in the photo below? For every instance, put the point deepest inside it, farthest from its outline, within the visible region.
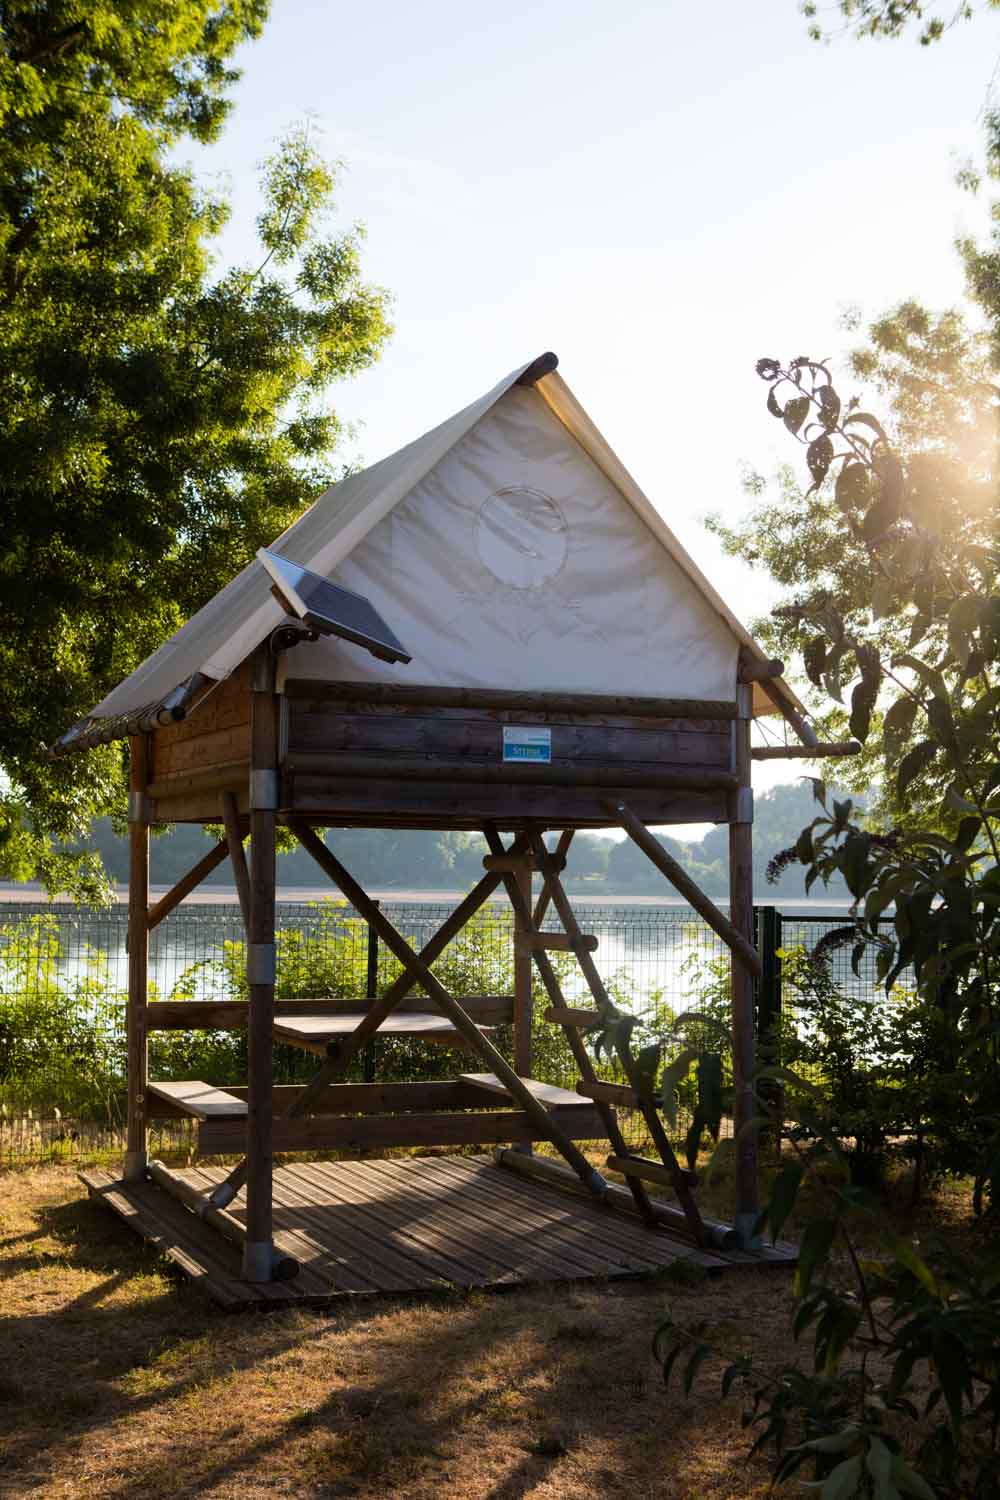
(159, 418)
(890, 18)
(877, 573)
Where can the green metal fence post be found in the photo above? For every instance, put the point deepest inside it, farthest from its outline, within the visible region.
(769, 940)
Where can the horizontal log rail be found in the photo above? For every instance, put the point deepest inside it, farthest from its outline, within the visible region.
(682, 882)
(554, 942)
(819, 751)
(369, 1132)
(508, 773)
(285, 1266)
(418, 696)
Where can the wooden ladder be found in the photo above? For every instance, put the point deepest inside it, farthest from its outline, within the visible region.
(575, 1021)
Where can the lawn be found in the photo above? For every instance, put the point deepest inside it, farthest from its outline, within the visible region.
(118, 1379)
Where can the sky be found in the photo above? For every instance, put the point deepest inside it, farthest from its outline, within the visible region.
(661, 193)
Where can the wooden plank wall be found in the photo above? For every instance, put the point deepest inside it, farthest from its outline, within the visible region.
(472, 737)
(216, 732)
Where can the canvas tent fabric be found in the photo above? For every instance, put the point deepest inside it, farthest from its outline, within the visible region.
(508, 548)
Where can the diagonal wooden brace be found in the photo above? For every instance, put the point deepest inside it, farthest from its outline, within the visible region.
(681, 880)
(462, 1022)
(234, 841)
(348, 1049)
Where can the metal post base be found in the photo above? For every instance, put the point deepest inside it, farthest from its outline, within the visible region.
(136, 1163)
(745, 1224)
(258, 1260)
(261, 1262)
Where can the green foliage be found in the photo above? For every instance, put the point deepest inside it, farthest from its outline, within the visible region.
(904, 1348)
(888, 18)
(159, 419)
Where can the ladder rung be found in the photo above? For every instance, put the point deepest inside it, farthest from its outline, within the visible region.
(609, 1093)
(649, 1171)
(555, 942)
(513, 864)
(584, 1020)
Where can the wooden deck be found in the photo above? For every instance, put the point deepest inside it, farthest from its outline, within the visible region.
(414, 1224)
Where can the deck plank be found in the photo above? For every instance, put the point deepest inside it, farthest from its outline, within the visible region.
(408, 1224)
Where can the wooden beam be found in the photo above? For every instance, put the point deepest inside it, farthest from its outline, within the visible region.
(138, 957)
(818, 751)
(681, 881)
(235, 835)
(428, 696)
(649, 1171)
(283, 1267)
(488, 773)
(258, 1255)
(523, 972)
(568, 1015)
(543, 365)
(556, 942)
(791, 715)
(617, 1094)
(753, 669)
(187, 884)
(463, 1023)
(377, 1132)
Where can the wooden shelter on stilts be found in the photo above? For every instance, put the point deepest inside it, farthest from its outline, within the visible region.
(524, 648)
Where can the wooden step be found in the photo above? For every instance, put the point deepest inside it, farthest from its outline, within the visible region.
(618, 1094)
(202, 1101)
(649, 1171)
(554, 942)
(549, 1094)
(566, 1015)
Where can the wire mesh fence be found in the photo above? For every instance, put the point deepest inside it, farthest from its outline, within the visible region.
(63, 997)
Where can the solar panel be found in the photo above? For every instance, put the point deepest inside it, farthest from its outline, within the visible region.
(331, 610)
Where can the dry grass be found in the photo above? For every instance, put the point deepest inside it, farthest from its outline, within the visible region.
(117, 1379)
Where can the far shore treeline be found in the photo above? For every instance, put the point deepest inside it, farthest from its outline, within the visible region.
(412, 860)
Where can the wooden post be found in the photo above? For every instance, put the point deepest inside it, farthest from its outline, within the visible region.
(741, 916)
(523, 973)
(258, 1252)
(138, 956)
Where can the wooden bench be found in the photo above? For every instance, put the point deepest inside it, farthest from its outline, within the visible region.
(550, 1094)
(202, 1101)
(315, 1033)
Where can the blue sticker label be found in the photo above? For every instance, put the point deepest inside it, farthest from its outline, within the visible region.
(527, 744)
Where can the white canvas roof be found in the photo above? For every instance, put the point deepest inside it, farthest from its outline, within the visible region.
(507, 548)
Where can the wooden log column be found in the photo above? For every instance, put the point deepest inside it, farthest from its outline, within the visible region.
(741, 916)
(138, 956)
(258, 1251)
(523, 967)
